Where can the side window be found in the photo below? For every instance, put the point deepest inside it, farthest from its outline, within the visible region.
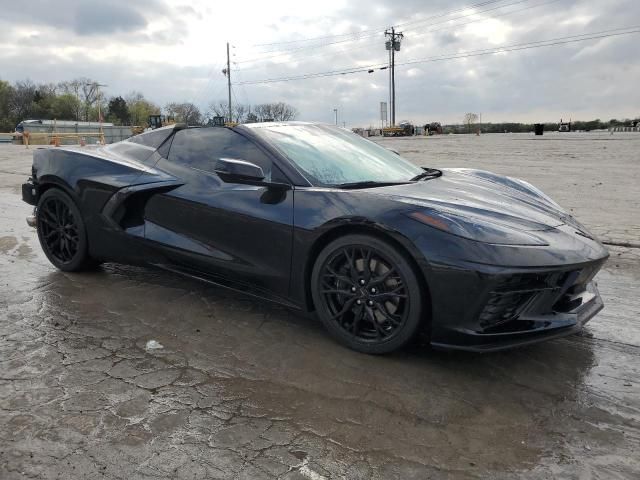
(201, 147)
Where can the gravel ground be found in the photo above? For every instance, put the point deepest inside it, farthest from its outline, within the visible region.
(243, 389)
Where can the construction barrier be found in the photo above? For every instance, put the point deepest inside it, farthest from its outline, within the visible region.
(47, 132)
(57, 139)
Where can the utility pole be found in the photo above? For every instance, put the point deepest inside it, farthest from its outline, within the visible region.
(390, 99)
(229, 82)
(335, 110)
(393, 45)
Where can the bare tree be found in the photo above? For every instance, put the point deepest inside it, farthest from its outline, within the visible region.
(218, 109)
(221, 109)
(185, 113)
(73, 88)
(283, 112)
(239, 111)
(48, 89)
(469, 120)
(279, 112)
(263, 112)
(89, 90)
(21, 102)
(134, 96)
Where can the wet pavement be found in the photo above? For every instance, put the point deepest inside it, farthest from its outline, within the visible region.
(134, 373)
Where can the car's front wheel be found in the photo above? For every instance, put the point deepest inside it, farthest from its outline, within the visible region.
(62, 232)
(367, 294)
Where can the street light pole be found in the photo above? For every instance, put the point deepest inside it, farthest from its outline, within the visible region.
(335, 110)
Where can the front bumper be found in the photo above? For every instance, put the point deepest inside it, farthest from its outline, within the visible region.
(508, 308)
(543, 329)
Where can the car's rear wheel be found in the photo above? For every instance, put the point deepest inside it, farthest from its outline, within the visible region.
(367, 294)
(62, 232)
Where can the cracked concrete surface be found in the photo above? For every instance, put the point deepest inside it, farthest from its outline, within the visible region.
(247, 390)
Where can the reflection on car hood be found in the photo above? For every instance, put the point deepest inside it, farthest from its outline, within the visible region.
(482, 195)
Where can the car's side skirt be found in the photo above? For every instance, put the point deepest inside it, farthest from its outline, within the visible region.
(224, 282)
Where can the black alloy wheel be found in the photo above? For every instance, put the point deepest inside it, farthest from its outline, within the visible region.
(367, 294)
(61, 231)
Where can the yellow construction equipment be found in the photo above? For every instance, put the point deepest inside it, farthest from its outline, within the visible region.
(157, 121)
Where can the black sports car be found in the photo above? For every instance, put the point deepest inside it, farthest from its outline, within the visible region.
(319, 219)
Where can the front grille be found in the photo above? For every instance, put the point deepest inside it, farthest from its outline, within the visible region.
(503, 307)
(512, 294)
(567, 303)
(575, 285)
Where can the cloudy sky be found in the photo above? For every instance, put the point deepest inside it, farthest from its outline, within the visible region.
(175, 51)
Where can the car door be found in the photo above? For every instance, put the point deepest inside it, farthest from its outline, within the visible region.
(236, 231)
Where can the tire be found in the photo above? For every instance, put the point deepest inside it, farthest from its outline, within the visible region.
(62, 233)
(367, 294)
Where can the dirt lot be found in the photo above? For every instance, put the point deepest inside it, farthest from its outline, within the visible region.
(243, 389)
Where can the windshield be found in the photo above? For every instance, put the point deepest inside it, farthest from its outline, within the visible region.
(329, 155)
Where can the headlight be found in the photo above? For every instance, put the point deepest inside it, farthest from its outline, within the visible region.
(476, 229)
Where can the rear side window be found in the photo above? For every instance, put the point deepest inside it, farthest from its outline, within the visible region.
(201, 148)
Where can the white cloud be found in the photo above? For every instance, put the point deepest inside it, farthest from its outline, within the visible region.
(175, 52)
(578, 20)
(492, 30)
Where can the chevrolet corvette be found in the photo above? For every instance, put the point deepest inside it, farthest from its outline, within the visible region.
(320, 220)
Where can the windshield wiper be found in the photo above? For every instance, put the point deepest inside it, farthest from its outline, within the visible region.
(366, 184)
(428, 173)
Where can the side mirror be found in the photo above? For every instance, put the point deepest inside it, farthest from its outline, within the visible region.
(231, 170)
(238, 171)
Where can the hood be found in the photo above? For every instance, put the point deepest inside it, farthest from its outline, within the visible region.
(483, 195)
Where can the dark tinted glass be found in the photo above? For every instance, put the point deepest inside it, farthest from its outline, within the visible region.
(152, 139)
(201, 147)
(164, 148)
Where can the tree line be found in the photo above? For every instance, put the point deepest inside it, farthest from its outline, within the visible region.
(243, 113)
(81, 100)
(470, 124)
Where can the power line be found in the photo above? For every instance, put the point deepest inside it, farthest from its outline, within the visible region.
(470, 14)
(235, 98)
(326, 54)
(492, 17)
(473, 53)
(308, 47)
(362, 36)
(377, 29)
(203, 92)
(529, 45)
(445, 14)
(244, 90)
